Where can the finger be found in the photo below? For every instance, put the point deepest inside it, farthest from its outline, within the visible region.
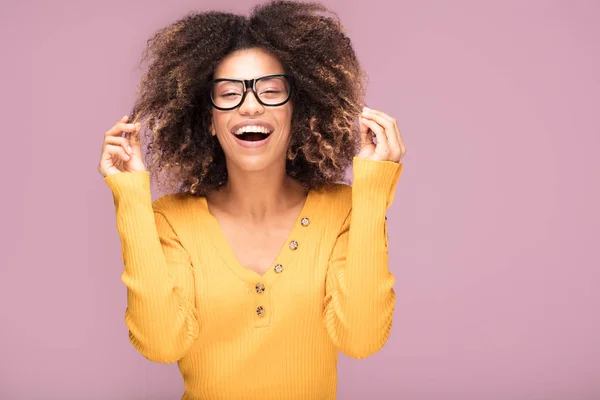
(381, 118)
(400, 141)
(115, 152)
(391, 130)
(119, 128)
(124, 120)
(402, 146)
(382, 149)
(366, 136)
(119, 141)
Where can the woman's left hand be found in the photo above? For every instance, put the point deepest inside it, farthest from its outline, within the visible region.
(389, 146)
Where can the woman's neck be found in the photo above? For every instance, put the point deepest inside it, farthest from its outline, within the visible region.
(258, 195)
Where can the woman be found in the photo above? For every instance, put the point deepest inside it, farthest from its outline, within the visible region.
(262, 265)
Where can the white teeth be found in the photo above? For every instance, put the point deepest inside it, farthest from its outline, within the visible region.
(252, 128)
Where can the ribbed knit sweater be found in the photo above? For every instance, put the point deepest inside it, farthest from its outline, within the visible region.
(239, 335)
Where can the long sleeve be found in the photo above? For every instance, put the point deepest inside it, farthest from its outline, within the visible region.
(160, 315)
(359, 299)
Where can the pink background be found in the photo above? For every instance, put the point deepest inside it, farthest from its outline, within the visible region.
(494, 231)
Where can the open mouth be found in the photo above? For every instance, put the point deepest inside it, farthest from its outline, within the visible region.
(252, 133)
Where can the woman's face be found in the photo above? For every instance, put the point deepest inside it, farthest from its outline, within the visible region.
(268, 146)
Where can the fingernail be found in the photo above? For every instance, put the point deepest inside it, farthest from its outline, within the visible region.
(366, 109)
(131, 126)
(129, 149)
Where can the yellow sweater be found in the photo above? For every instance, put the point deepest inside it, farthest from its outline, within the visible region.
(239, 335)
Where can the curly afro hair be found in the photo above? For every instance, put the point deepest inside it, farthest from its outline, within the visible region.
(174, 104)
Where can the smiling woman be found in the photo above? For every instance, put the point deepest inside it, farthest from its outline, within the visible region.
(262, 265)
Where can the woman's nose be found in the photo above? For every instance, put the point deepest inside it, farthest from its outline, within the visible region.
(250, 105)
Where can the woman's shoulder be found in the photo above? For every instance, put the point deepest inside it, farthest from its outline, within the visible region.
(337, 192)
(176, 202)
(335, 198)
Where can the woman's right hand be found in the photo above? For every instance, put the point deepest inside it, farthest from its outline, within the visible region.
(121, 154)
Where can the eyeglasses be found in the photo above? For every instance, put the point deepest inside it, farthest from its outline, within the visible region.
(270, 90)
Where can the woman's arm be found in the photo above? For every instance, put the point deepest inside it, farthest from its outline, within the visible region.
(160, 315)
(359, 300)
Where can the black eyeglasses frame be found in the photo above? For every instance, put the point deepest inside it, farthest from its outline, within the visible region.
(251, 83)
